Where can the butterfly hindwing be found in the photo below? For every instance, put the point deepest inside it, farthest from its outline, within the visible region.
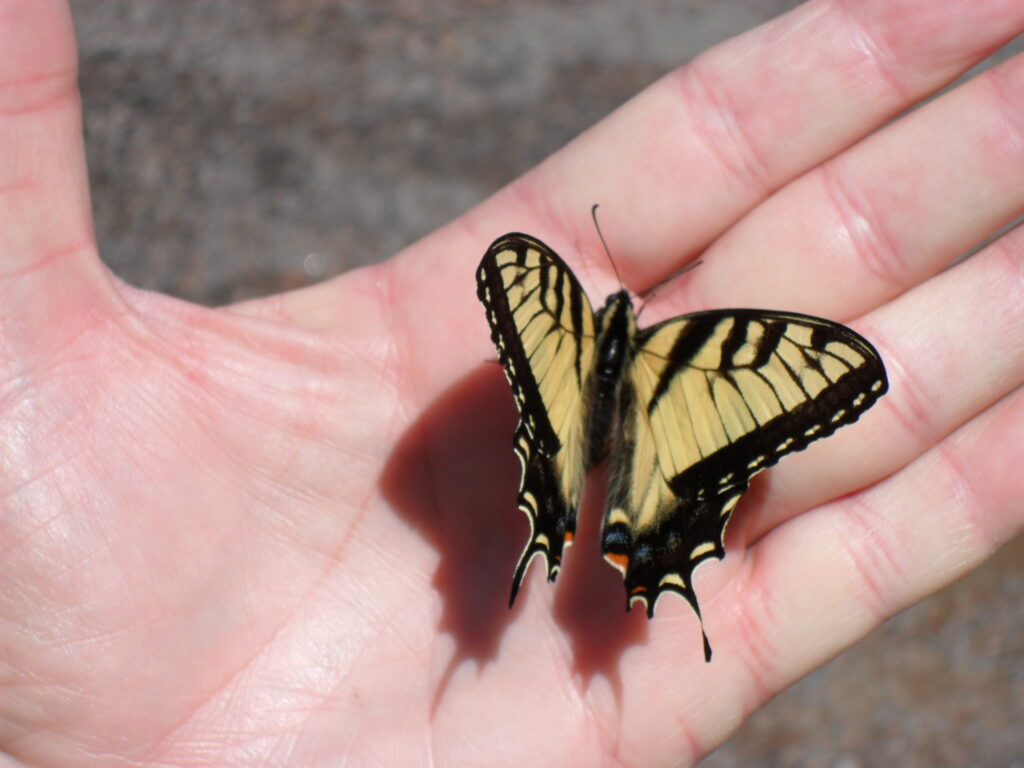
(543, 326)
(710, 400)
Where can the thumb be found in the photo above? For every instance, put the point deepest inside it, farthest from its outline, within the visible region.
(51, 279)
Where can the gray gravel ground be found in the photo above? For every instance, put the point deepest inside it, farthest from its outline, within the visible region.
(239, 149)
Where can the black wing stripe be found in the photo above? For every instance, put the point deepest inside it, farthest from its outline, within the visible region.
(576, 311)
(559, 295)
(734, 341)
(767, 344)
(691, 339)
(543, 287)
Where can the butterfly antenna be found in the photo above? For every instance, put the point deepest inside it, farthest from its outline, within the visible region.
(593, 215)
(650, 292)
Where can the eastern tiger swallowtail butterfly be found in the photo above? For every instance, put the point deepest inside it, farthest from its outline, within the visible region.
(687, 410)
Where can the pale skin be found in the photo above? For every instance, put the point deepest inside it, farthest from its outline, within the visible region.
(283, 533)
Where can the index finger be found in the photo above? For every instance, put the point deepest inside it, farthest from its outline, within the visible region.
(698, 149)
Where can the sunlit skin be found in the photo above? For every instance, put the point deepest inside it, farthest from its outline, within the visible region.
(282, 533)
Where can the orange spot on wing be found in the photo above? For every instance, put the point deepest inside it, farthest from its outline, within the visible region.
(619, 561)
(568, 537)
(638, 590)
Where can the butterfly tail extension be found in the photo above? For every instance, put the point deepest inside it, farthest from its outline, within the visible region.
(663, 559)
(691, 598)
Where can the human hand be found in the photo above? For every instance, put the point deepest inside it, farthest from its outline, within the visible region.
(283, 532)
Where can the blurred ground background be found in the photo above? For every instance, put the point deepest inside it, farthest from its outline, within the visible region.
(240, 149)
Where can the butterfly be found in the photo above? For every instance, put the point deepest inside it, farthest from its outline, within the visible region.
(687, 411)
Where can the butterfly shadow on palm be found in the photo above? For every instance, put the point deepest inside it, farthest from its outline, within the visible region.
(453, 477)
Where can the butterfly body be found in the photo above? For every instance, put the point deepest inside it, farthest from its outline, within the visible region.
(687, 412)
(616, 327)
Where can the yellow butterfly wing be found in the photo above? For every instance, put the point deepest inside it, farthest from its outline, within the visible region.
(710, 400)
(543, 326)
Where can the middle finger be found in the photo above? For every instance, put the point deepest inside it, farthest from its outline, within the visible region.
(882, 216)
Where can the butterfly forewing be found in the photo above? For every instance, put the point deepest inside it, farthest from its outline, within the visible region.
(543, 326)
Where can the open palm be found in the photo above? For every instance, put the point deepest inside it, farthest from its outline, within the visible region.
(282, 533)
